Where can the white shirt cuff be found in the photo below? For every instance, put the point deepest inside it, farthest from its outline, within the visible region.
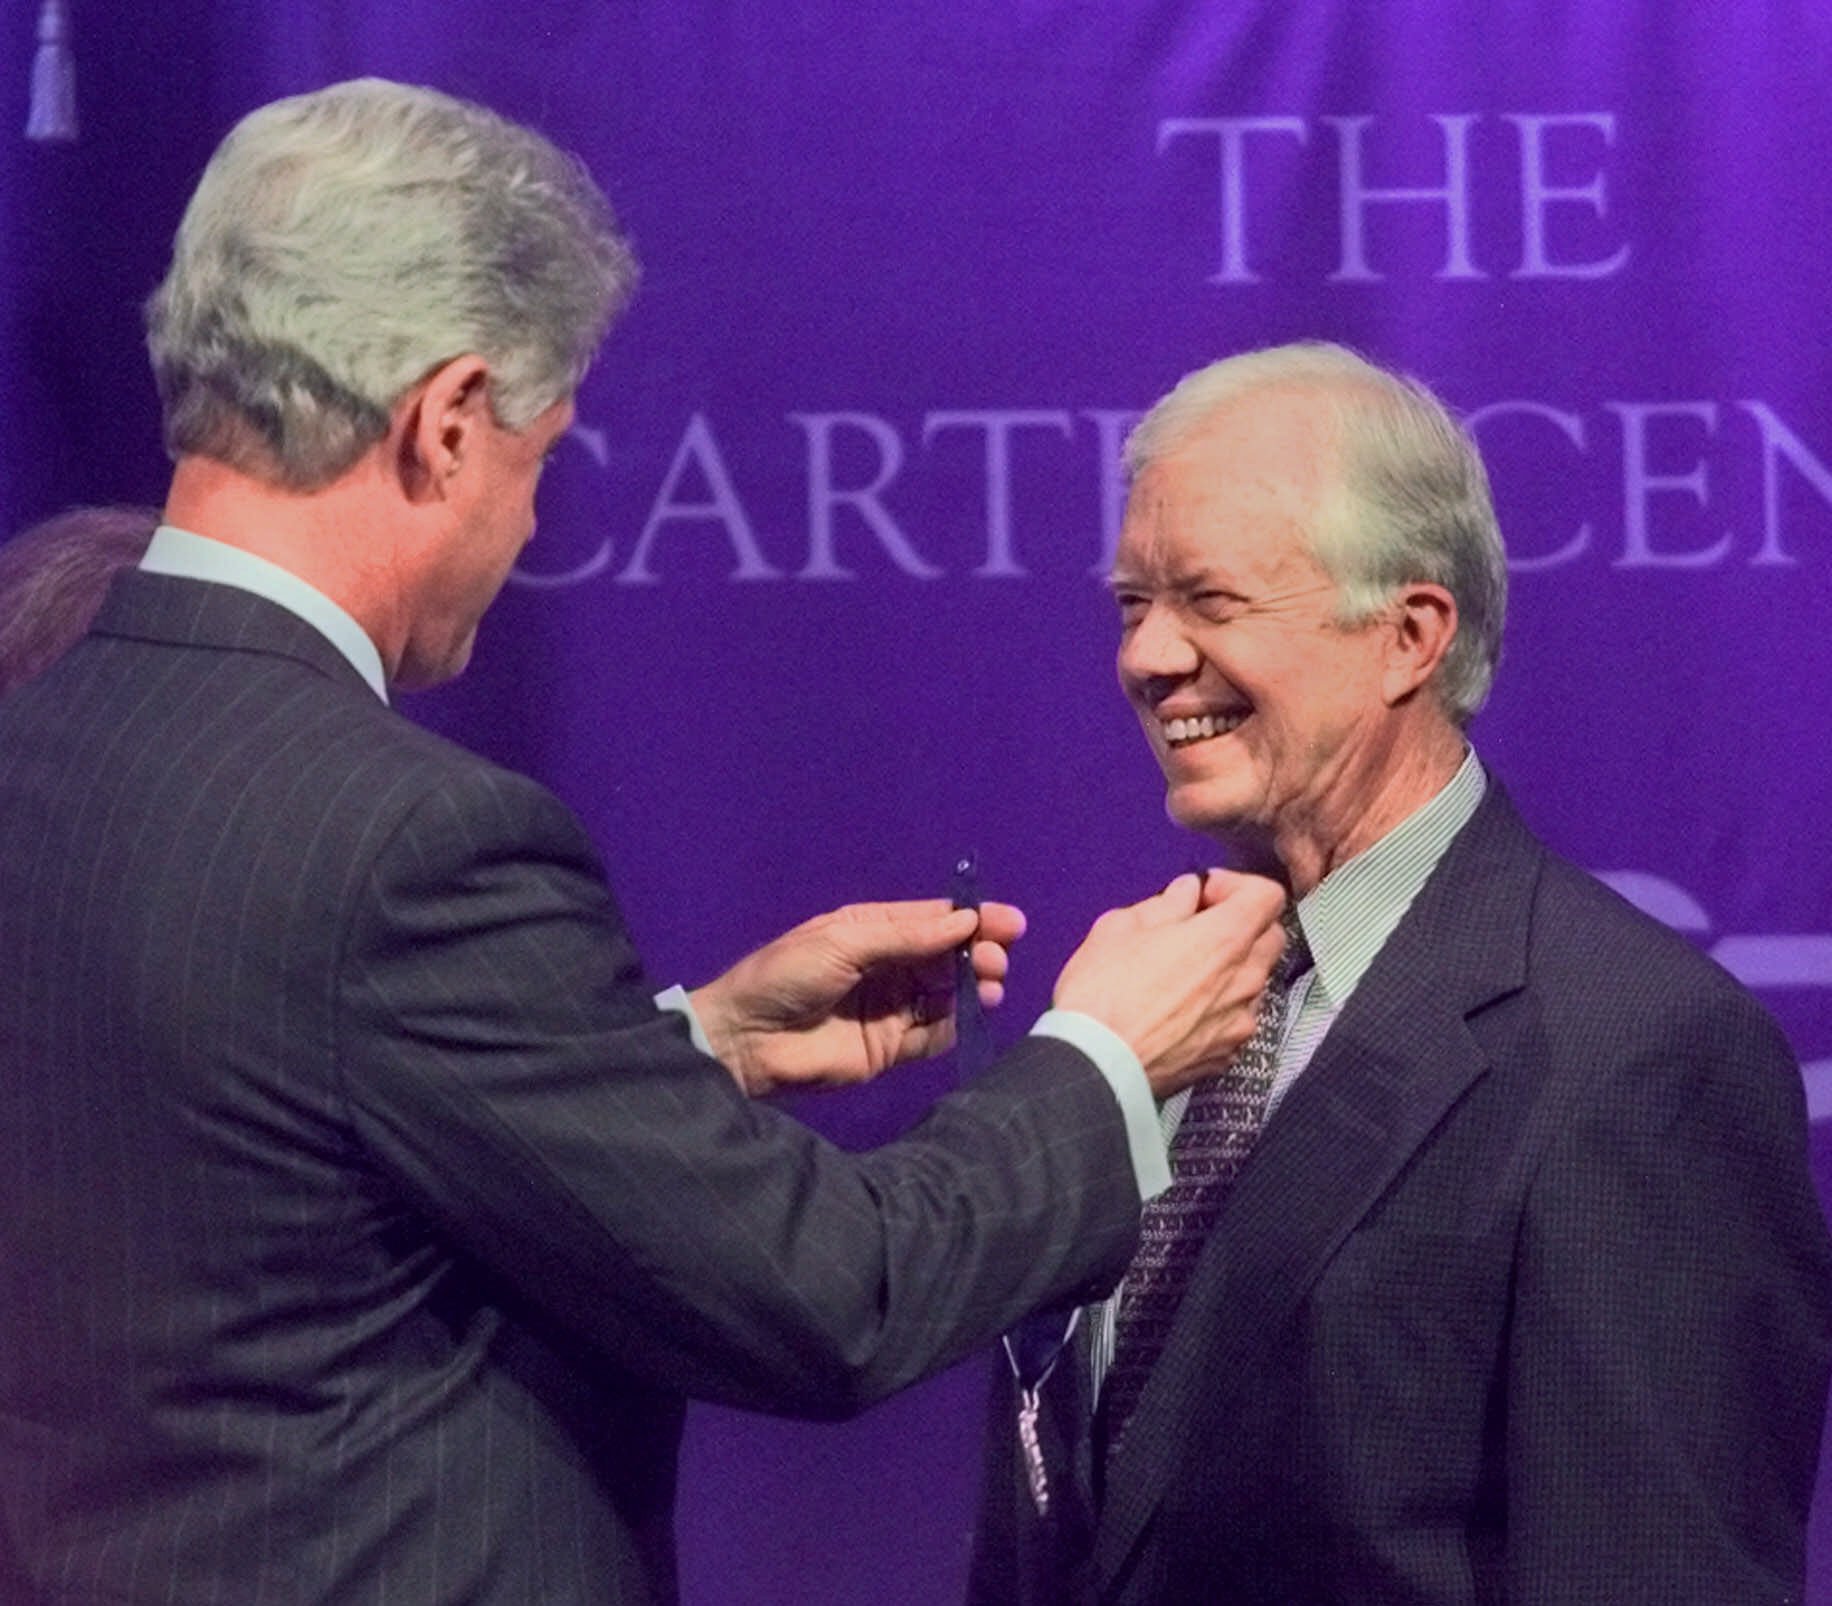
(676, 999)
(1114, 1058)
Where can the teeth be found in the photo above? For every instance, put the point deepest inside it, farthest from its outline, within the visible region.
(1200, 726)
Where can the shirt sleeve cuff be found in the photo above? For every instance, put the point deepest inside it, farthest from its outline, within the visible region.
(676, 999)
(1115, 1060)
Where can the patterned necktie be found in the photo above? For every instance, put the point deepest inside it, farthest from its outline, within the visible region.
(1224, 1116)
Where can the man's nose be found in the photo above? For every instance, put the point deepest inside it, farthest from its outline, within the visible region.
(1156, 651)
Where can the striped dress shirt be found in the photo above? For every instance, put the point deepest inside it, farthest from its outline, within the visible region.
(1346, 918)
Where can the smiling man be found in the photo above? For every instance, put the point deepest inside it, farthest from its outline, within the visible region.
(1491, 1270)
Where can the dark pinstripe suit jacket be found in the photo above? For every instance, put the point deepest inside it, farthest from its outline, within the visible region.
(1523, 1296)
(363, 1222)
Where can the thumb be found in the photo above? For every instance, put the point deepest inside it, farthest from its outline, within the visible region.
(870, 934)
(1178, 901)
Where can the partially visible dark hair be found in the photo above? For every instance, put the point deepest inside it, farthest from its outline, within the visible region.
(53, 578)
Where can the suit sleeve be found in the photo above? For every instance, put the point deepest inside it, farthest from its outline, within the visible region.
(1670, 1343)
(503, 1061)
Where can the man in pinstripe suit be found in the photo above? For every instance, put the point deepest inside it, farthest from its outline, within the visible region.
(1520, 1292)
(365, 1222)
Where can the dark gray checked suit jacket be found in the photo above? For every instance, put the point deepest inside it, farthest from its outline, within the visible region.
(1523, 1297)
(362, 1223)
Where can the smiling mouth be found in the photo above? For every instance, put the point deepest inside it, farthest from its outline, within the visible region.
(1199, 728)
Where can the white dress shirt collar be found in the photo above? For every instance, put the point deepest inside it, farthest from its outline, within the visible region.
(195, 557)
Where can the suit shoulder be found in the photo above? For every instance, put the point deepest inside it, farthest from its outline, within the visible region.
(341, 758)
(439, 775)
(375, 735)
(1596, 947)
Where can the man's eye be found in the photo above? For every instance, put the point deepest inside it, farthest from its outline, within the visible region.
(1132, 608)
(1214, 604)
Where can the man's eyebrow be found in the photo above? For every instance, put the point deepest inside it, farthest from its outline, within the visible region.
(1186, 581)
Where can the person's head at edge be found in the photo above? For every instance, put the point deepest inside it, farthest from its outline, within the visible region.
(53, 578)
(1311, 588)
(380, 303)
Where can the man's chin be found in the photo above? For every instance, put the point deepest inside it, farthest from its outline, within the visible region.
(420, 672)
(1247, 838)
(1200, 809)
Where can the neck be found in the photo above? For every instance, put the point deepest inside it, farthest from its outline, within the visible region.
(330, 538)
(1302, 849)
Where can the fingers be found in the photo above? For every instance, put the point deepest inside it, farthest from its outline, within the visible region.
(1001, 922)
(991, 965)
(931, 1006)
(1178, 901)
(1247, 904)
(866, 935)
(925, 1041)
(1268, 946)
(916, 928)
(1197, 890)
(919, 1026)
(991, 961)
(1178, 975)
(933, 984)
(1222, 886)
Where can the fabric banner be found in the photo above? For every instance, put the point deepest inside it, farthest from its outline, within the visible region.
(815, 604)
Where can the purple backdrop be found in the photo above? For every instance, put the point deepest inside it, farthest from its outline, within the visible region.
(813, 604)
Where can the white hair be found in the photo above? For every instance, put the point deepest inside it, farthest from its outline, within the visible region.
(1410, 500)
(341, 245)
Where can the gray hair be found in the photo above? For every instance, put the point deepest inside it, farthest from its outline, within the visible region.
(342, 245)
(1410, 502)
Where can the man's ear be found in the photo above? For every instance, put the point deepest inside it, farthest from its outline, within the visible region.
(435, 425)
(1423, 625)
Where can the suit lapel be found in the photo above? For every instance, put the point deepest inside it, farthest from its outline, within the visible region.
(1396, 1058)
(198, 613)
